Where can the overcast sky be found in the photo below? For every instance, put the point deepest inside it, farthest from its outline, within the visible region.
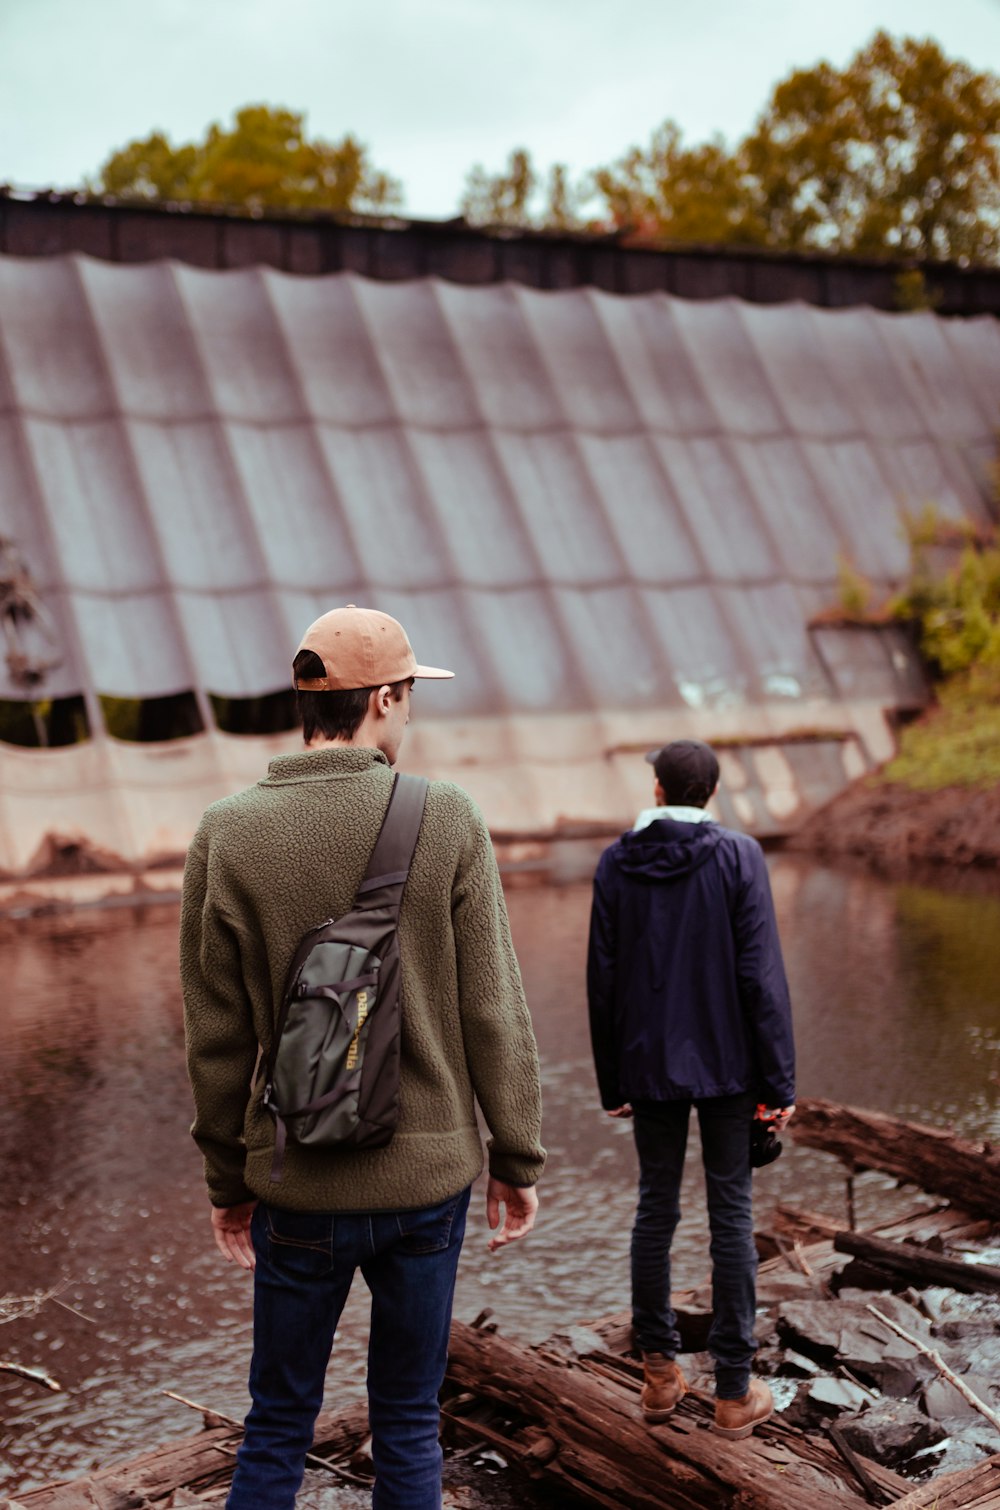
(432, 86)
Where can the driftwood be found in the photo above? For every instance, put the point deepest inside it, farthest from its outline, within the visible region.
(942, 1367)
(584, 1432)
(976, 1488)
(36, 1375)
(191, 1462)
(966, 1173)
(918, 1265)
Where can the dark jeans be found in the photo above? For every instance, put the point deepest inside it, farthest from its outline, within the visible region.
(661, 1129)
(305, 1265)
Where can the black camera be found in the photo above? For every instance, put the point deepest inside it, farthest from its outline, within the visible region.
(765, 1145)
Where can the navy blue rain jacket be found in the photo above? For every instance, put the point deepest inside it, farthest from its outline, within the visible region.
(685, 979)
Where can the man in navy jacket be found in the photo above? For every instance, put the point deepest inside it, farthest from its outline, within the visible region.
(689, 1004)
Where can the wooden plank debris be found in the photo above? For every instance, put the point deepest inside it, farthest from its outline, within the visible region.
(976, 1488)
(937, 1161)
(599, 1447)
(192, 1462)
(918, 1265)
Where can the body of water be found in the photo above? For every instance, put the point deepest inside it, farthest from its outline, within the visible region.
(897, 1008)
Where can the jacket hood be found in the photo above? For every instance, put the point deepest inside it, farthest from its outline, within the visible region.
(666, 849)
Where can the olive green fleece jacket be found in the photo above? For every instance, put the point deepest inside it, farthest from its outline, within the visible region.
(270, 863)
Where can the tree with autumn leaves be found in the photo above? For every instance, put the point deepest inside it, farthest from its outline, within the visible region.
(897, 154)
(264, 160)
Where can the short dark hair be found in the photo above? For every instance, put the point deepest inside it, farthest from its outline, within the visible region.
(332, 715)
(687, 770)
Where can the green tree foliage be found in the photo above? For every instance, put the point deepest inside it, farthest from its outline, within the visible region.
(677, 192)
(519, 196)
(263, 160)
(957, 618)
(897, 154)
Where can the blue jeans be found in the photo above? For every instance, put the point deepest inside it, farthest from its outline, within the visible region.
(305, 1265)
(661, 1129)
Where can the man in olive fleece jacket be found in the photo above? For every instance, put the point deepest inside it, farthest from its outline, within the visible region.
(265, 866)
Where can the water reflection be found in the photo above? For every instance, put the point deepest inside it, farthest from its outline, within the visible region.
(896, 1007)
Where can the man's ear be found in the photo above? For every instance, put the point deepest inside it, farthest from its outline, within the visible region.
(382, 700)
(659, 795)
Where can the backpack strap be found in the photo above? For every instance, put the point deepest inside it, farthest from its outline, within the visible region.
(392, 856)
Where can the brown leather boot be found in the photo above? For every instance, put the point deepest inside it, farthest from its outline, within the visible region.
(664, 1387)
(737, 1418)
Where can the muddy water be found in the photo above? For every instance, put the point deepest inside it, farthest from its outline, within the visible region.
(897, 1007)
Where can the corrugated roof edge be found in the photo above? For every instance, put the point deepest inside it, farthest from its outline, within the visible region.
(52, 221)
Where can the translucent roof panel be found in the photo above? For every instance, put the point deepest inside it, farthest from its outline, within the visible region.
(417, 354)
(729, 366)
(858, 347)
(237, 641)
(580, 360)
(864, 505)
(702, 656)
(641, 508)
(196, 508)
(471, 499)
(385, 507)
(134, 641)
(297, 519)
(791, 507)
(55, 365)
(719, 508)
(92, 495)
(655, 364)
(577, 500)
(932, 374)
(524, 636)
(560, 508)
(497, 348)
(976, 346)
(771, 625)
(615, 644)
(145, 334)
(330, 348)
(803, 384)
(241, 345)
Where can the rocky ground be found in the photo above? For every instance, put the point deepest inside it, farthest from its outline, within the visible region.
(833, 1361)
(896, 828)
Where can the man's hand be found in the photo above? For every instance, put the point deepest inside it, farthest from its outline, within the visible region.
(621, 1111)
(520, 1208)
(231, 1230)
(778, 1116)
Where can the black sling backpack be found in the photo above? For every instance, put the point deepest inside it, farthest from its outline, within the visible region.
(332, 1075)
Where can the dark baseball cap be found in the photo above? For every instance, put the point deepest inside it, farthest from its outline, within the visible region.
(687, 770)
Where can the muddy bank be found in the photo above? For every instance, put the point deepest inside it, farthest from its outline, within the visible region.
(896, 828)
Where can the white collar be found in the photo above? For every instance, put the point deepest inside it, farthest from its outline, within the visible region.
(678, 814)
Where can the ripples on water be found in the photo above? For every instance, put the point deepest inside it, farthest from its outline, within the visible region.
(896, 1008)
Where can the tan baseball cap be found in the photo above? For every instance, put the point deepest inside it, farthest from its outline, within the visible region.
(361, 647)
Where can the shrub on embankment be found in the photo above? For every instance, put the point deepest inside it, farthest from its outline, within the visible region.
(956, 614)
(939, 799)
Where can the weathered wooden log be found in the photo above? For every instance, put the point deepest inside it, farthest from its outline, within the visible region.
(190, 1462)
(976, 1488)
(585, 1433)
(966, 1173)
(919, 1265)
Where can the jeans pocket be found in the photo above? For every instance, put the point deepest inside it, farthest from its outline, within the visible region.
(431, 1229)
(299, 1242)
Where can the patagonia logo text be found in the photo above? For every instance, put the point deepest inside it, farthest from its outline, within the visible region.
(352, 1052)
